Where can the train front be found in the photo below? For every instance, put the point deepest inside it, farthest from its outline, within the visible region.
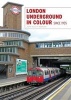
(35, 76)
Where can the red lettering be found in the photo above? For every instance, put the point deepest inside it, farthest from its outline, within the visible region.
(42, 22)
(36, 10)
(43, 16)
(28, 22)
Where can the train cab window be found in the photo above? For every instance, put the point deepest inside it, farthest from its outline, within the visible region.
(34, 73)
(39, 73)
(29, 73)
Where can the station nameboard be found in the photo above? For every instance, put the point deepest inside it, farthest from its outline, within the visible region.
(47, 17)
(15, 10)
(21, 66)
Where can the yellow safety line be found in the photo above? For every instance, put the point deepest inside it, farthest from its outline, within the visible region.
(59, 90)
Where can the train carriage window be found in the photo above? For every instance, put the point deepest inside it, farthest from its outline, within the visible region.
(53, 71)
(49, 71)
(56, 71)
(46, 72)
(59, 70)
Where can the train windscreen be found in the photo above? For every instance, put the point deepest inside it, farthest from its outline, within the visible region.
(35, 73)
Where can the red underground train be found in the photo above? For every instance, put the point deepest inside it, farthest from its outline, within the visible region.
(42, 74)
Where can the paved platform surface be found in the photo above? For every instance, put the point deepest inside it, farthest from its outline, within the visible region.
(62, 93)
(13, 80)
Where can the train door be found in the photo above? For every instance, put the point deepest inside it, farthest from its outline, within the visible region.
(46, 75)
(49, 73)
(34, 75)
(53, 72)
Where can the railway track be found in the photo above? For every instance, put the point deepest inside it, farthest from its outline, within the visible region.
(33, 92)
(43, 91)
(12, 94)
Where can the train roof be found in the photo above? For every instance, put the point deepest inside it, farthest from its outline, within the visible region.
(35, 68)
(42, 68)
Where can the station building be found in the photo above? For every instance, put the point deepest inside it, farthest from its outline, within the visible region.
(15, 44)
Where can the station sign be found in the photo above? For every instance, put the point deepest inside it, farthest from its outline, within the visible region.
(15, 10)
(21, 66)
(47, 17)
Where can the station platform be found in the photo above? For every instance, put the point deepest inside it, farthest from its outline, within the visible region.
(13, 80)
(62, 93)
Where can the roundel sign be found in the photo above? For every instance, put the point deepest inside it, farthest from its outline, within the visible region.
(15, 10)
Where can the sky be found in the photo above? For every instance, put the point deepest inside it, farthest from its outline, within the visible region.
(41, 34)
